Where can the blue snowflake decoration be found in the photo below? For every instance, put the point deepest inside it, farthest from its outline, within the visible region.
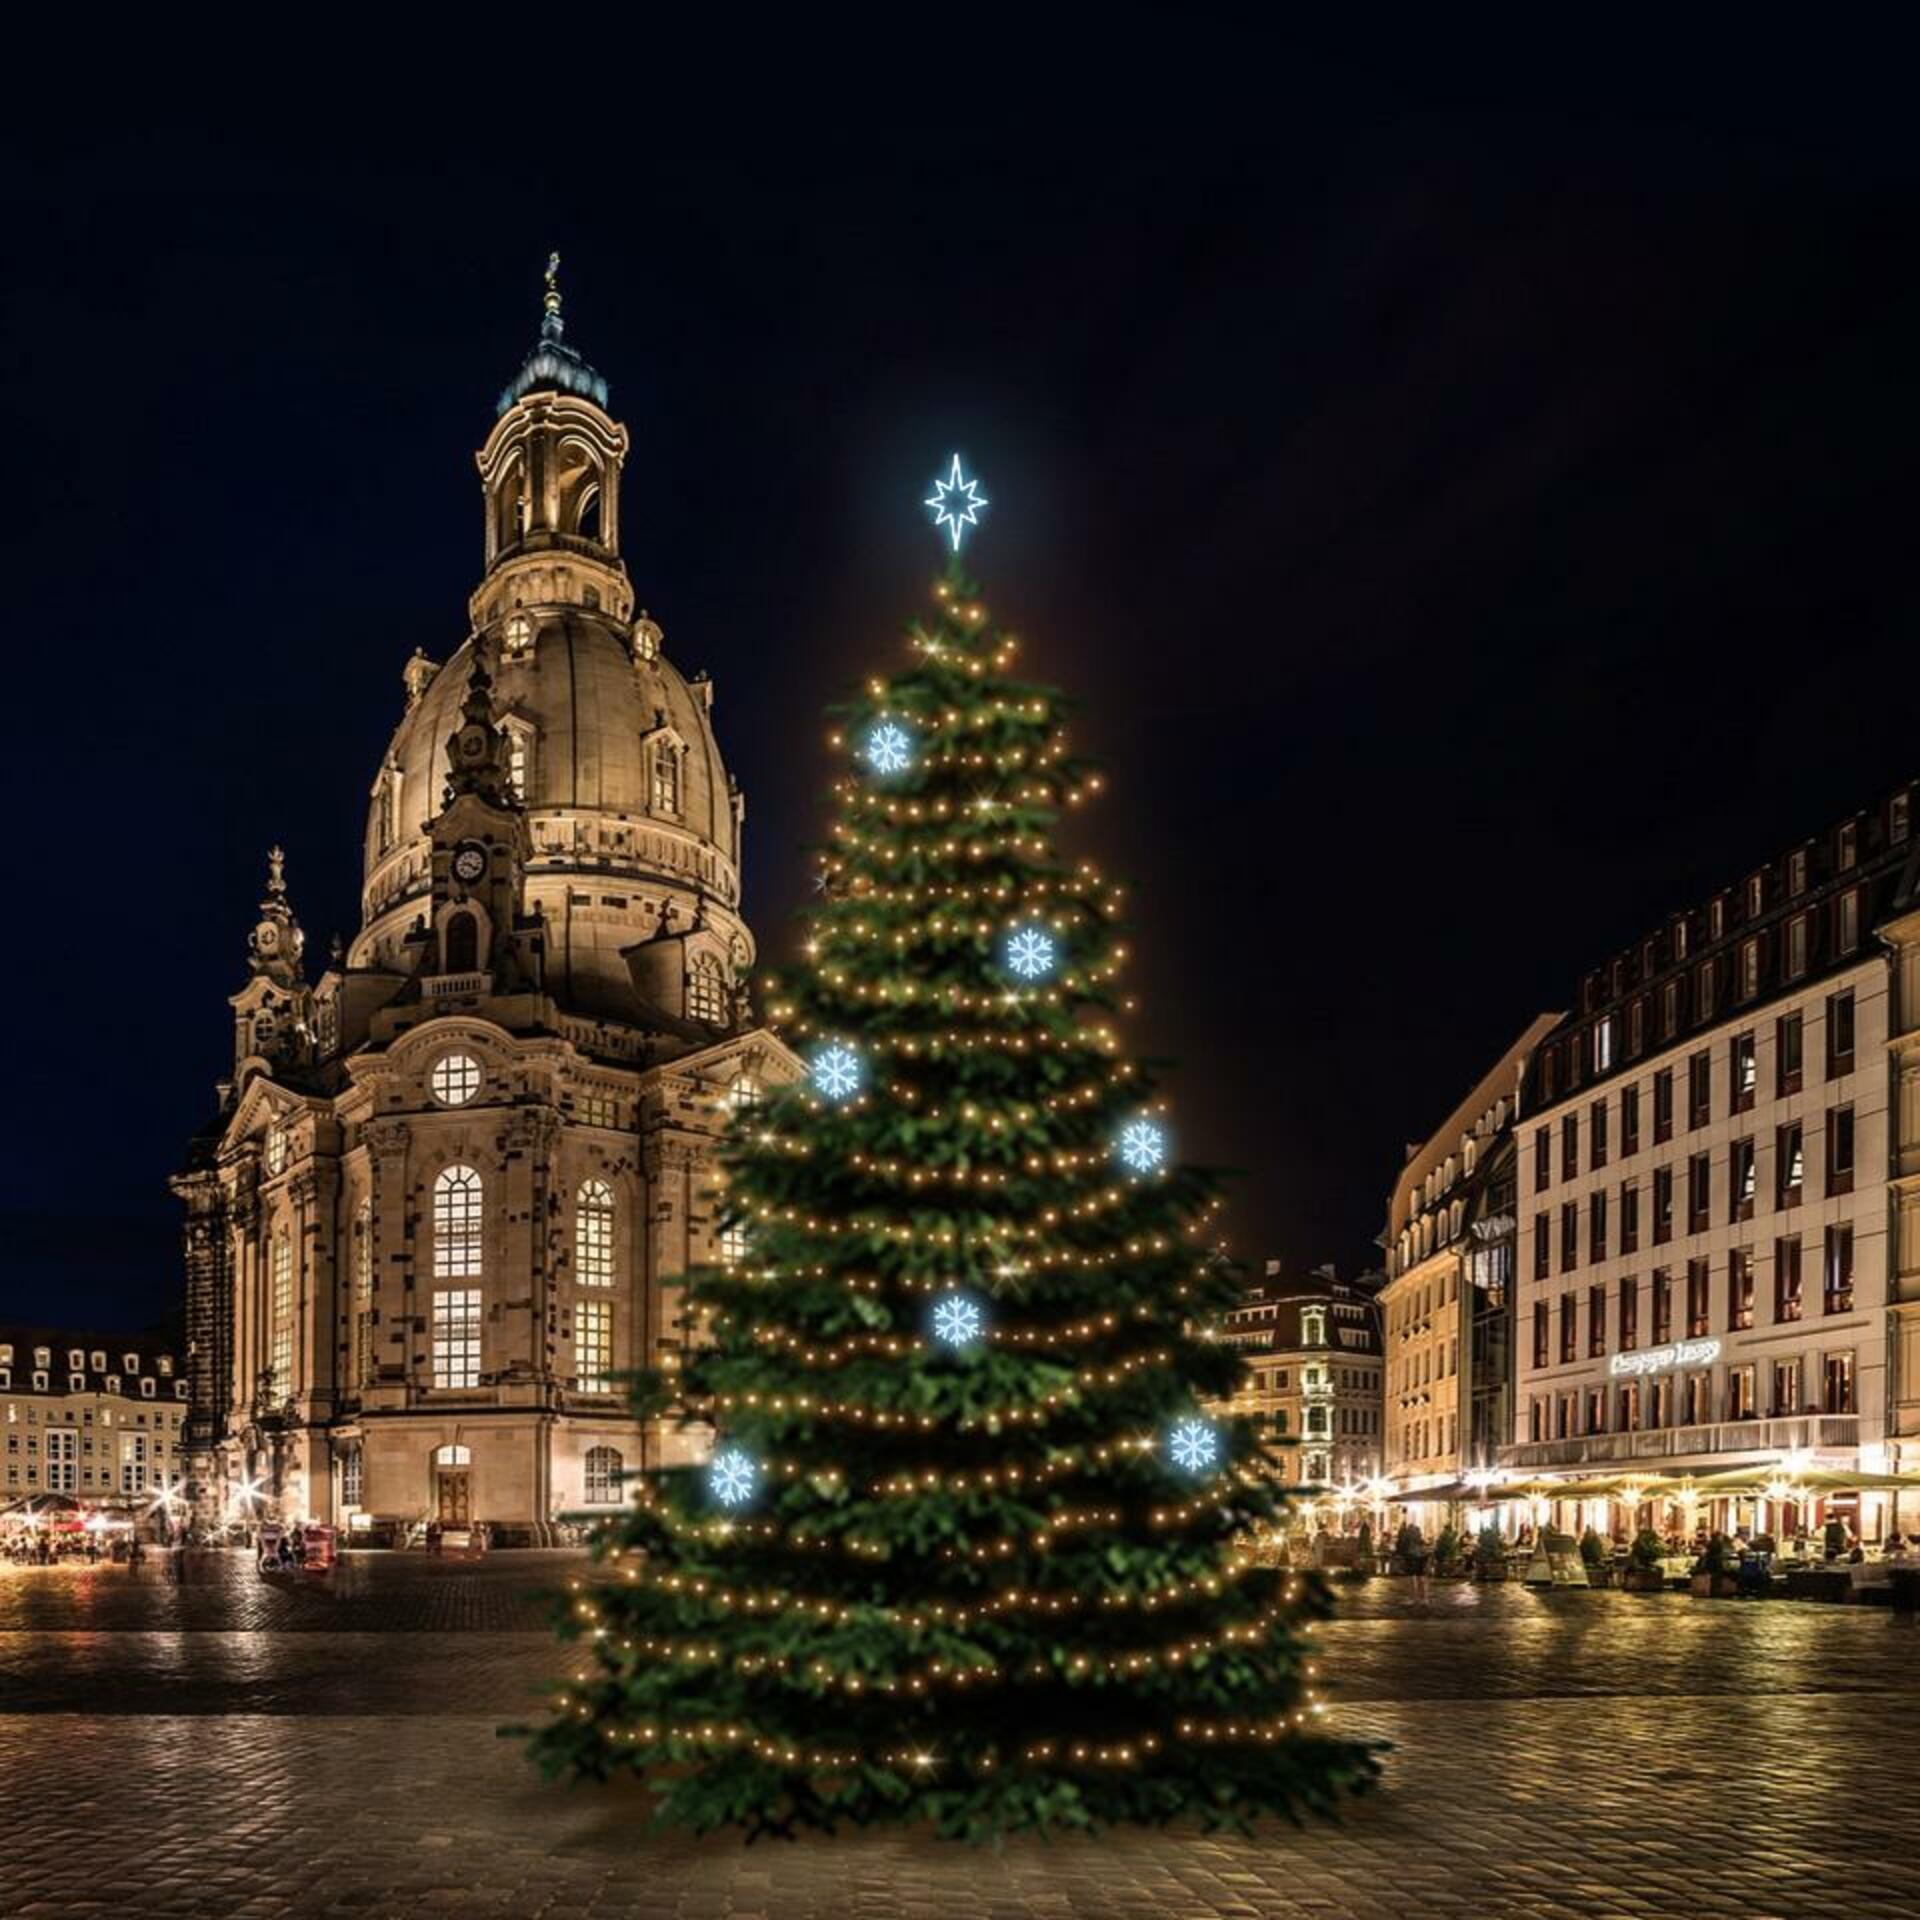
(1142, 1146)
(958, 1320)
(732, 1476)
(1195, 1446)
(835, 1072)
(1030, 953)
(956, 502)
(889, 747)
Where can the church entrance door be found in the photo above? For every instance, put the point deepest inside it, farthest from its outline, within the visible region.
(456, 1504)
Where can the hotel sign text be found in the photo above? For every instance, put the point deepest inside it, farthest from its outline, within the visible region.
(1682, 1353)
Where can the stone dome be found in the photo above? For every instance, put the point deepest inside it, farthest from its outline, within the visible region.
(630, 810)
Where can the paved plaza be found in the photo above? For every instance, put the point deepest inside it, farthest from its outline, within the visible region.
(234, 1746)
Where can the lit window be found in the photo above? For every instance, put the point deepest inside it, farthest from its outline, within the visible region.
(384, 808)
(276, 1149)
(61, 1459)
(456, 1225)
(593, 1234)
(351, 1480)
(455, 1079)
(518, 636)
(733, 1243)
(281, 1360)
(743, 1095)
(706, 992)
(593, 1345)
(666, 777)
(456, 1337)
(363, 1360)
(604, 1466)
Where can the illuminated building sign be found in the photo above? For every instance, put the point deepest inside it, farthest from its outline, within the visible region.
(1682, 1353)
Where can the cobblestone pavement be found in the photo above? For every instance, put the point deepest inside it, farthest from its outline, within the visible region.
(328, 1748)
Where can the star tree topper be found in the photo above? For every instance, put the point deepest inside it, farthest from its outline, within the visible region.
(956, 502)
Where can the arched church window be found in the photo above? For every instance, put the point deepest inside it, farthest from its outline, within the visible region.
(453, 1455)
(666, 777)
(462, 943)
(706, 991)
(383, 812)
(593, 1234)
(363, 1361)
(455, 1079)
(604, 1467)
(276, 1149)
(587, 517)
(280, 1354)
(456, 1224)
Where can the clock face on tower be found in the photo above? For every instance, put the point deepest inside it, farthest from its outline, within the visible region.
(469, 861)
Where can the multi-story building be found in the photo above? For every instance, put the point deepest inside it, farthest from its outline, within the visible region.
(1714, 1148)
(1447, 1307)
(450, 1186)
(1313, 1370)
(99, 1417)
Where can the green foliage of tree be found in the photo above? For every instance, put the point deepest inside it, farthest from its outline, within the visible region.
(973, 1586)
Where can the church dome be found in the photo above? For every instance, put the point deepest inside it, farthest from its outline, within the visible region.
(633, 822)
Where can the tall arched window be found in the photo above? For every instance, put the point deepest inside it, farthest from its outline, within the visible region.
(604, 1466)
(706, 991)
(666, 777)
(280, 1358)
(593, 1234)
(463, 943)
(456, 1225)
(363, 1368)
(383, 812)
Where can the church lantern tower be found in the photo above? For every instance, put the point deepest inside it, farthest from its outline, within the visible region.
(450, 1186)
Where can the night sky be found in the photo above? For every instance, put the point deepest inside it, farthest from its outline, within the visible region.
(1471, 530)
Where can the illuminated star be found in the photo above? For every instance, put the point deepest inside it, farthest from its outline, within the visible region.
(1143, 1146)
(1030, 953)
(836, 1071)
(956, 502)
(731, 1476)
(889, 748)
(958, 1321)
(1195, 1446)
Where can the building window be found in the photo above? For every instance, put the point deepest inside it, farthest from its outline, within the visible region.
(457, 1225)
(352, 1478)
(1597, 1137)
(1628, 1312)
(743, 1093)
(1698, 1408)
(1786, 1388)
(593, 1345)
(1662, 1205)
(1699, 1192)
(520, 762)
(364, 1370)
(666, 777)
(1699, 1090)
(1542, 1246)
(1743, 1163)
(1629, 1217)
(1569, 1145)
(604, 1467)
(1797, 871)
(1603, 1045)
(1839, 1034)
(1663, 1105)
(1569, 1329)
(133, 1463)
(593, 1230)
(1739, 1289)
(1846, 922)
(1704, 985)
(455, 1079)
(1839, 1270)
(1790, 1164)
(1636, 1028)
(1740, 1401)
(1796, 946)
(1839, 1149)
(706, 991)
(384, 809)
(1670, 1009)
(1743, 1071)
(276, 1149)
(456, 1337)
(1629, 1122)
(518, 636)
(1596, 1322)
(1787, 1041)
(1786, 1280)
(280, 1356)
(1542, 1159)
(734, 1243)
(1597, 1224)
(1662, 1306)
(1569, 1236)
(1848, 847)
(1699, 1300)
(1838, 1397)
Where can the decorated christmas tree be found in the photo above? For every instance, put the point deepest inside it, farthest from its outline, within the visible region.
(969, 1548)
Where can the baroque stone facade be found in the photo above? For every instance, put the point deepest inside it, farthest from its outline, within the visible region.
(450, 1186)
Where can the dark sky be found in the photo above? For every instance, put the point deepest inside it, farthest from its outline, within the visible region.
(1472, 499)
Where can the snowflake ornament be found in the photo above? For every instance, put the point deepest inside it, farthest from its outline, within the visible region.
(958, 1321)
(731, 1476)
(1195, 1446)
(1030, 952)
(835, 1071)
(889, 747)
(1142, 1146)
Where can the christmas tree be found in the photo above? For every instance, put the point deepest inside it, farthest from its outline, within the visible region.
(969, 1547)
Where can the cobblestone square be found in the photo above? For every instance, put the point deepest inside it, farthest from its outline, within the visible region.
(238, 1746)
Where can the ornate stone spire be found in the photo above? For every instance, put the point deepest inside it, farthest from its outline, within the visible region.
(276, 942)
(477, 750)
